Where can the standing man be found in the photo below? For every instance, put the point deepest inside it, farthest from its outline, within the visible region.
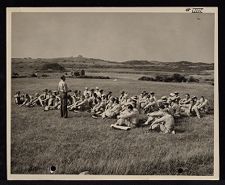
(63, 89)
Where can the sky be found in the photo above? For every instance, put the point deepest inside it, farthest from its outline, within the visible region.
(167, 37)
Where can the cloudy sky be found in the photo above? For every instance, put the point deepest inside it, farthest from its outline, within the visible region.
(114, 36)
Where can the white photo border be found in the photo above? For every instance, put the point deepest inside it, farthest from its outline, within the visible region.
(186, 10)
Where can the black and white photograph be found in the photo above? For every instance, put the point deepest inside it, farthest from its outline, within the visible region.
(112, 93)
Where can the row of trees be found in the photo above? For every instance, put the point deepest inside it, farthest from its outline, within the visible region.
(173, 78)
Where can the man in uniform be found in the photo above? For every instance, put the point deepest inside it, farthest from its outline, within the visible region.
(201, 105)
(130, 117)
(164, 124)
(63, 89)
(86, 92)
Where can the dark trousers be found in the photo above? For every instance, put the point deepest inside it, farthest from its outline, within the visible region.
(63, 110)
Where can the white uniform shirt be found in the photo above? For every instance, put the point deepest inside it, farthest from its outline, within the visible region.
(62, 87)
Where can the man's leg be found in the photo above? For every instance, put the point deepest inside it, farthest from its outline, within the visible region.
(62, 104)
(65, 106)
(195, 108)
(163, 128)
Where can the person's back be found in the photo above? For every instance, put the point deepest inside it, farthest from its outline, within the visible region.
(169, 122)
(17, 97)
(134, 118)
(116, 106)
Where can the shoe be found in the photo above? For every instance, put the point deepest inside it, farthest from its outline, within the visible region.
(93, 116)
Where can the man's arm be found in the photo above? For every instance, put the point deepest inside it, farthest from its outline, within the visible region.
(155, 114)
(203, 104)
(127, 115)
(162, 119)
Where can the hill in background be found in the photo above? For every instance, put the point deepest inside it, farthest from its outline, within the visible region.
(30, 65)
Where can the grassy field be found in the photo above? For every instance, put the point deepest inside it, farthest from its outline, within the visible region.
(42, 139)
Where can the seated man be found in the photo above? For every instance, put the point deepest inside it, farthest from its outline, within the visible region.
(144, 101)
(108, 96)
(55, 106)
(86, 91)
(43, 98)
(128, 118)
(97, 91)
(18, 98)
(185, 104)
(161, 120)
(202, 105)
(26, 101)
(109, 103)
(50, 102)
(151, 106)
(186, 100)
(99, 108)
(113, 111)
(82, 105)
(93, 100)
(174, 108)
(177, 97)
(34, 101)
(124, 100)
(121, 96)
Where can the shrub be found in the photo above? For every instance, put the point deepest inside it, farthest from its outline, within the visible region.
(53, 66)
(82, 73)
(146, 78)
(44, 75)
(165, 78)
(15, 74)
(192, 79)
(33, 75)
(94, 77)
(178, 78)
(159, 78)
(168, 79)
(76, 73)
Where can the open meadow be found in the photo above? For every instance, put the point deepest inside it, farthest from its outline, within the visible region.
(41, 139)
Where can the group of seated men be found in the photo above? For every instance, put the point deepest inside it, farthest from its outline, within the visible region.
(160, 113)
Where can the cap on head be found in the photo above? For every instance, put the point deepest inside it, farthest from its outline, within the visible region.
(86, 88)
(63, 77)
(130, 106)
(163, 98)
(97, 88)
(172, 94)
(176, 93)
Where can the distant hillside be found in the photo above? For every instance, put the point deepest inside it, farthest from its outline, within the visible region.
(139, 62)
(91, 64)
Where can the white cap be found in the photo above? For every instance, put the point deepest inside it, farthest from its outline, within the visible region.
(172, 94)
(163, 97)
